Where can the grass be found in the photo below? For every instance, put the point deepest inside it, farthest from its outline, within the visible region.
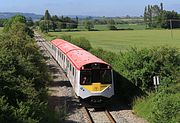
(1, 28)
(117, 41)
(158, 107)
(143, 106)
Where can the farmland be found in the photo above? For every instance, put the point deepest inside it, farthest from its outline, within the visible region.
(122, 40)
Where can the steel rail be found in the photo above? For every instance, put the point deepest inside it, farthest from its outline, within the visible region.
(88, 115)
(108, 114)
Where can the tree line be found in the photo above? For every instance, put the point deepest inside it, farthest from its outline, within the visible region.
(56, 23)
(156, 17)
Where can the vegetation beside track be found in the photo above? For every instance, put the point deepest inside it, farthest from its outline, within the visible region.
(160, 107)
(23, 76)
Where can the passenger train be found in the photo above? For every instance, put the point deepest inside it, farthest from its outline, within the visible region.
(90, 77)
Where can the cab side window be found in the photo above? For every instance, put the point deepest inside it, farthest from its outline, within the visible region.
(85, 77)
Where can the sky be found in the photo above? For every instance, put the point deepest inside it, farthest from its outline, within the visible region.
(85, 7)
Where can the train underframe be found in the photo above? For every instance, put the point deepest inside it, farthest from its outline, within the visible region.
(95, 101)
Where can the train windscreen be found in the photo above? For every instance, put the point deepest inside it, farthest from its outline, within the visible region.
(103, 76)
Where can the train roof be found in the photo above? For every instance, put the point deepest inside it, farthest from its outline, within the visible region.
(78, 56)
(57, 42)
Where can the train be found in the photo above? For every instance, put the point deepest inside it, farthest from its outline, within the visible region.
(90, 77)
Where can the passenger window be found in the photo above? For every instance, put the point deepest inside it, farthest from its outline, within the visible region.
(73, 71)
(67, 63)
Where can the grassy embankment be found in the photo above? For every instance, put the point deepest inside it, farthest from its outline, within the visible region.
(122, 40)
(160, 107)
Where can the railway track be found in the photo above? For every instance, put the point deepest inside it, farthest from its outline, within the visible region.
(99, 116)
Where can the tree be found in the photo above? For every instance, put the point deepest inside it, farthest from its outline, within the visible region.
(47, 19)
(155, 14)
(152, 15)
(88, 25)
(54, 25)
(30, 22)
(161, 6)
(111, 24)
(23, 77)
(77, 21)
(58, 25)
(47, 16)
(145, 16)
(54, 18)
(166, 16)
(11, 23)
(42, 26)
(13, 20)
(149, 15)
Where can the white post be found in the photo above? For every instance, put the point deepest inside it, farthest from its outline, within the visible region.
(156, 82)
(157, 77)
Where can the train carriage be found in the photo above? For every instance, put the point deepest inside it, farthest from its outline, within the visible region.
(90, 77)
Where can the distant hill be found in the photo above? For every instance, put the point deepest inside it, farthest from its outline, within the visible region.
(27, 15)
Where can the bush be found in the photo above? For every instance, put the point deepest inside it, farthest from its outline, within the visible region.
(166, 108)
(139, 66)
(107, 56)
(112, 27)
(66, 37)
(134, 69)
(80, 41)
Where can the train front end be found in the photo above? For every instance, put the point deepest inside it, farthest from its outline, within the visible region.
(96, 84)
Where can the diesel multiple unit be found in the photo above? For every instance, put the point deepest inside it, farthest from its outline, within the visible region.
(90, 77)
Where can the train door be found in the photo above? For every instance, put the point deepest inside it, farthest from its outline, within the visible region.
(77, 82)
(54, 51)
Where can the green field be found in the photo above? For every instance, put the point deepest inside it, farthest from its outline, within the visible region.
(122, 40)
